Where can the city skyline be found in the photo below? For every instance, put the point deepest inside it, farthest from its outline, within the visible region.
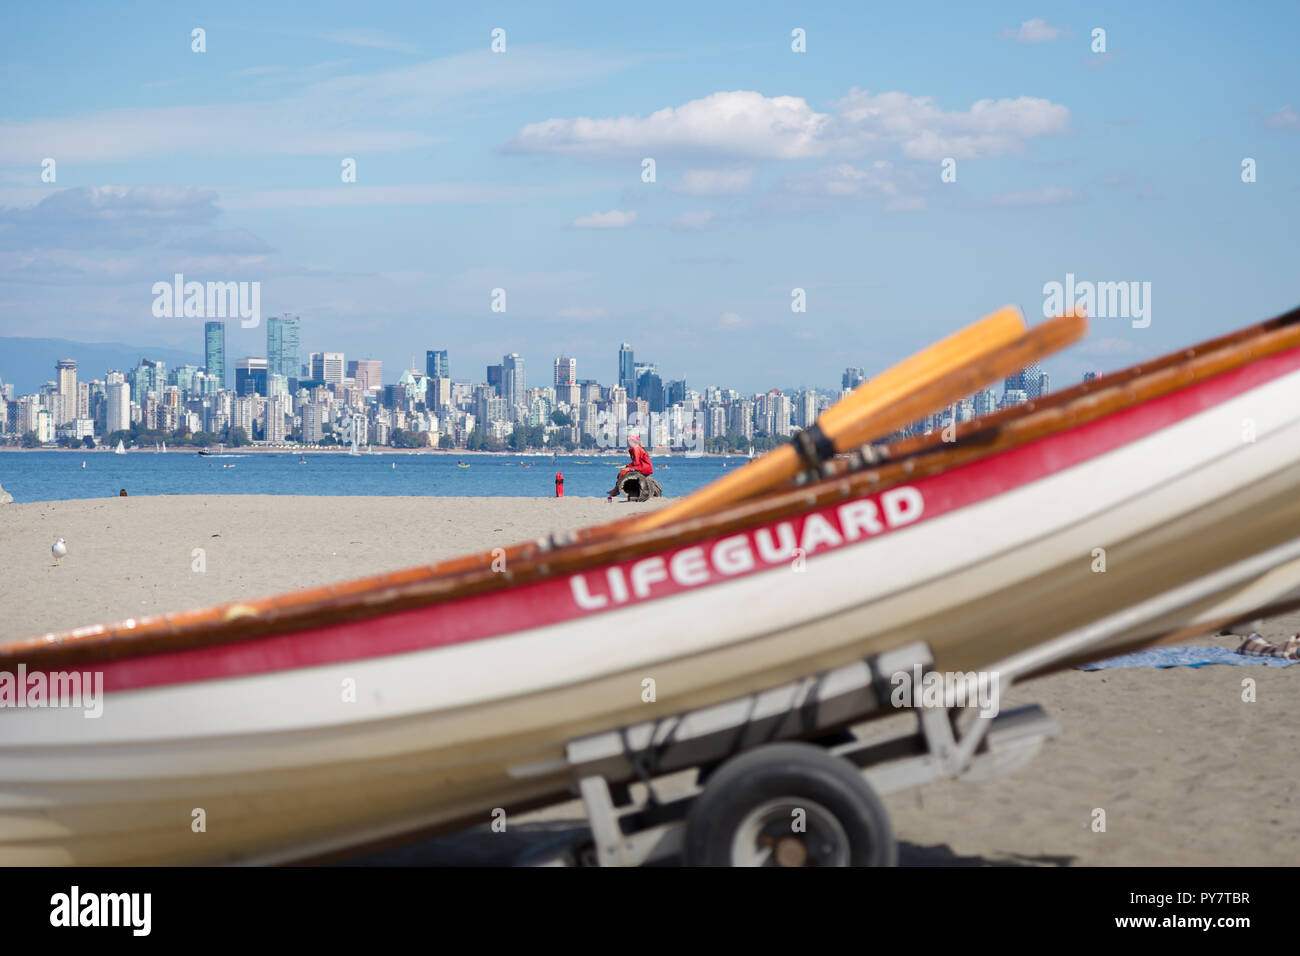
(279, 400)
(800, 207)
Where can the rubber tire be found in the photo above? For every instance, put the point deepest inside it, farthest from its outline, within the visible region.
(787, 770)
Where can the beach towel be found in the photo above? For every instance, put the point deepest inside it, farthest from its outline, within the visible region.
(1163, 657)
(1261, 646)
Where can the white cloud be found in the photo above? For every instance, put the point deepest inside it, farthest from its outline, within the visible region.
(1284, 118)
(112, 216)
(1033, 31)
(715, 182)
(924, 131)
(614, 219)
(1042, 196)
(694, 220)
(738, 123)
(730, 320)
(745, 123)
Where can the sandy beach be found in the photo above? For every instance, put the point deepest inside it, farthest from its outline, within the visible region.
(1186, 771)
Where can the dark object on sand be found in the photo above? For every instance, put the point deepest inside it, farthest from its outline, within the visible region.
(122, 493)
(639, 487)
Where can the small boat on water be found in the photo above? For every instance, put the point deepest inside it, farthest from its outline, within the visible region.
(982, 545)
(120, 449)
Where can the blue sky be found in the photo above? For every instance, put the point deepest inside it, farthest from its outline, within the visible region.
(522, 170)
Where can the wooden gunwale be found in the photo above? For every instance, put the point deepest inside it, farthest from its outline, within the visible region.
(472, 575)
(921, 444)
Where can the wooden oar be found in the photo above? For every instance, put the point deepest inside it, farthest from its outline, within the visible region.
(891, 386)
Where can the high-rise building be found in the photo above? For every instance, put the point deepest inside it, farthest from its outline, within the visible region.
(807, 411)
(117, 393)
(650, 389)
(436, 364)
(676, 392)
(853, 377)
(566, 371)
(67, 369)
(495, 377)
(626, 368)
(437, 394)
(214, 351)
(1044, 384)
(367, 373)
(250, 376)
(278, 409)
(314, 418)
(327, 367)
(513, 381)
(282, 333)
(1026, 380)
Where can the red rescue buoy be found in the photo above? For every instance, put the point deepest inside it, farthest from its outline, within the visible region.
(559, 485)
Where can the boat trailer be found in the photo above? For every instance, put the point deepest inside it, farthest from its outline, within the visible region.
(780, 780)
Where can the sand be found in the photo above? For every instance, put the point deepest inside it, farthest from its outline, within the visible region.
(1187, 773)
(129, 557)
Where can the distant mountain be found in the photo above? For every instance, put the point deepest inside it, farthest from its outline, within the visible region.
(29, 363)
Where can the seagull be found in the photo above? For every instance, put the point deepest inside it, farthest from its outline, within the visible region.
(58, 549)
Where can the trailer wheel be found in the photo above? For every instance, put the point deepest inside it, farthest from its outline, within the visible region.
(788, 804)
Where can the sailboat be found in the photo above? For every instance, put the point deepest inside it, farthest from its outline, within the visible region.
(485, 684)
(120, 449)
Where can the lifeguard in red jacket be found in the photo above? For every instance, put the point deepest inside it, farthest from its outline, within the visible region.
(640, 462)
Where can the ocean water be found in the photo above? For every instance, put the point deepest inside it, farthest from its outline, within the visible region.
(55, 475)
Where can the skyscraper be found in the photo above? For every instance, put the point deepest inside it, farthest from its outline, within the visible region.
(214, 351)
(250, 376)
(367, 373)
(513, 381)
(67, 369)
(282, 345)
(436, 364)
(566, 371)
(327, 367)
(626, 368)
(853, 377)
(118, 403)
(1027, 380)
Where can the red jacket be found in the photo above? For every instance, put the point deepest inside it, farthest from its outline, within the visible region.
(641, 461)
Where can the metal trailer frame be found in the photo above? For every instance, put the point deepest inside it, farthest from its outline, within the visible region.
(626, 832)
(940, 745)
